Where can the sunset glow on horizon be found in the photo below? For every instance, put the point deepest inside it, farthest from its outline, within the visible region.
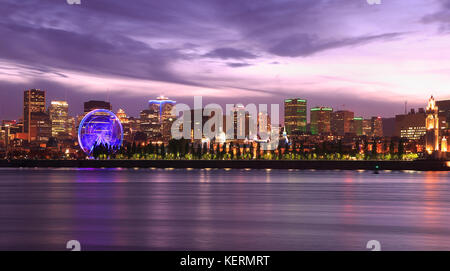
(343, 54)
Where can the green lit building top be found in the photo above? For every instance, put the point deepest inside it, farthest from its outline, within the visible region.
(295, 116)
(321, 120)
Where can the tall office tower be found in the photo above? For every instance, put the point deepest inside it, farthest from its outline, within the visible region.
(357, 126)
(264, 125)
(40, 128)
(127, 134)
(15, 128)
(377, 126)
(164, 107)
(295, 116)
(321, 120)
(6, 129)
(149, 124)
(241, 122)
(72, 126)
(367, 127)
(195, 125)
(33, 101)
(444, 112)
(341, 122)
(411, 125)
(59, 117)
(91, 105)
(432, 125)
(134, 124)
(122, 116)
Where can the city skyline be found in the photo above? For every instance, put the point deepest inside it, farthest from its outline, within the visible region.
(46, 132)
(215, 132)
(329, 52)
(115, 107)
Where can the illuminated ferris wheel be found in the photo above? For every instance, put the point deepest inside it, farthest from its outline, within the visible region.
(100, 127)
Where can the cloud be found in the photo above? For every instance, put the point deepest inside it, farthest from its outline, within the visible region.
(230, 53)
(306, 45)
(238, 65)
(95, 54)
(181, 47)
(441, 17)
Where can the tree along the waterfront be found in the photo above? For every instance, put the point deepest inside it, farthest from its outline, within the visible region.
(186, 150)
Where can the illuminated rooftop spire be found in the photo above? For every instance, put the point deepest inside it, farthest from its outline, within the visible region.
(432, 104)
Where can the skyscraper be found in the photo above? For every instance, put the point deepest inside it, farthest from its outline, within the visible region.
(149, 124)
(412, 125)
(264, 125)
(59, 117)
(367, 127)
(241, 122)
(444, 111)
(6, 128)
(72, 126)
(163, 107)
(33, 101)
(432, 125)
(295, 116)
(91, 105)
(127, 132)
(341, 122)
(321, 120)
(196, 124)
(40, 129)
(377, 126)
(357, 126)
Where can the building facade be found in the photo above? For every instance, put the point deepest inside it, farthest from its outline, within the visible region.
(412, 125)
(321, 120)
(124, 120)
(92, 105)
(357, 126)
(33, 102)
(149, 124)
(341, 122)
(432, 125)
(377, 126)
(40, 129)
(59, 117)
(444, 112)
(295, 111)
(367, 127)
(163, 107)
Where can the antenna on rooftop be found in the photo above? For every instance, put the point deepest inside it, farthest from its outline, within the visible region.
(406, 107)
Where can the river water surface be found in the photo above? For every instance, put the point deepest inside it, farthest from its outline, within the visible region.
(216, 209)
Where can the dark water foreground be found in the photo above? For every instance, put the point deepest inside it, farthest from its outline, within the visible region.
(423, 165)
(155, 209)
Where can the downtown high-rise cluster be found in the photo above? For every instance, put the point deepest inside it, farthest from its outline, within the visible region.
(52, 129)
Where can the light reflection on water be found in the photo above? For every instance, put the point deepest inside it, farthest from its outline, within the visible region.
(217, 209)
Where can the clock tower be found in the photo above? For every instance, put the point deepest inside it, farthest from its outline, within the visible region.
(432, 125)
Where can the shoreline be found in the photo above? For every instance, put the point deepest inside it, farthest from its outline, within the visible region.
(419, 165)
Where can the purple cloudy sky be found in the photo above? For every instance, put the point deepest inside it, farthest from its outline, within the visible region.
(340, 53)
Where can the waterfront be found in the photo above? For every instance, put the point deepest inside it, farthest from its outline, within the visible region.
(218, 209)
